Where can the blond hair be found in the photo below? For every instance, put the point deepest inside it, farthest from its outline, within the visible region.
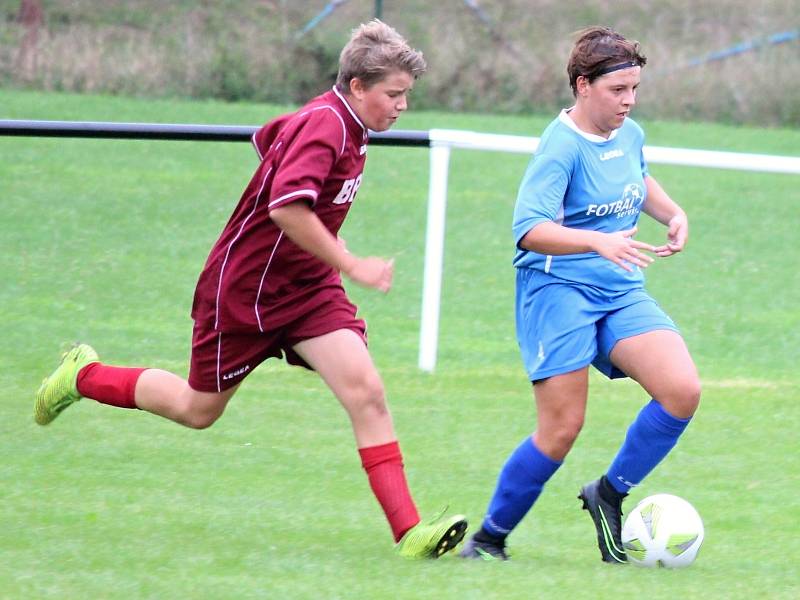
(374, 50)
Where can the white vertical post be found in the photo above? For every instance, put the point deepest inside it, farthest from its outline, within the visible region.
(434, 255)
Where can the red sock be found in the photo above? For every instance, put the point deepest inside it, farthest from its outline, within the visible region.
(384, 467)
(109, 385)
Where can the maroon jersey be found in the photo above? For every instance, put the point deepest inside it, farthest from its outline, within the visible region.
(256, 278)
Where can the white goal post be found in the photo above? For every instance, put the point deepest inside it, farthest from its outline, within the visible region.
(440, 142)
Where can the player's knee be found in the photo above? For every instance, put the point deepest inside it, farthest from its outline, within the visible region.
(684, 399)
(200, 421)
(562, 435)
(196, 417)
(691, 397)
(368, 396)
(570, 428)
(375, 396)
(199, 410)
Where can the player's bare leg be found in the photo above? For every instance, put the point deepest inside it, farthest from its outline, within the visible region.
(169, 396)
(560, 411)
(660, 362)
(560, 407)
(342, 360)
(153, 390)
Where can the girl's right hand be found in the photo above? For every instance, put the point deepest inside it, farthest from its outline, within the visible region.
(621, 249)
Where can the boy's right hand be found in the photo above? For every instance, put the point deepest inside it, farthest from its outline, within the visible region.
(372, 272)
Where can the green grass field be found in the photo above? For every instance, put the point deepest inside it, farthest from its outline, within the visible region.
(102, 241)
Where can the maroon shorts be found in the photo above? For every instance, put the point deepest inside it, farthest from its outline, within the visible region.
(220, 359)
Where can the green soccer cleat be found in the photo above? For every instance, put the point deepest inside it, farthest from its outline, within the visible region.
(434, 538)
(60, 390)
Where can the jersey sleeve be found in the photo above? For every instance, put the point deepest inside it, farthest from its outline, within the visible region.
(308, 158)
(264, 137)
(541, 193)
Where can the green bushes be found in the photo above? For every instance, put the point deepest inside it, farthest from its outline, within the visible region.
(252, 51)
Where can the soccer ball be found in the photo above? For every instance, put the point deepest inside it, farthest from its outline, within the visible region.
(662, 531)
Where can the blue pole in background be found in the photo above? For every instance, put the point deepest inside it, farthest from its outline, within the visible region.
(777, 38)
(324, 14)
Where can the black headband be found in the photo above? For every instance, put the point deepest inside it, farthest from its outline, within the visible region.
(617, 67)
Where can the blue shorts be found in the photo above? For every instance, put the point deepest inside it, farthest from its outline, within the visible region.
(564, 326)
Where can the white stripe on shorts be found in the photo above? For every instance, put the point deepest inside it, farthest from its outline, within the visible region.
(219, 355)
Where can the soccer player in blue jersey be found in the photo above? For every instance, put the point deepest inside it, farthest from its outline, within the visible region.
(580, 296)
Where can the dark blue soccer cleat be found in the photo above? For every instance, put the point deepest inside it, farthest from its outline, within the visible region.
(607, 517)
(483, 550)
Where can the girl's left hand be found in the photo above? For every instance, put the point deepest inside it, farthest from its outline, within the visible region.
(677, 235)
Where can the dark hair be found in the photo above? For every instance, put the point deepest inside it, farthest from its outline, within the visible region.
(597, 49)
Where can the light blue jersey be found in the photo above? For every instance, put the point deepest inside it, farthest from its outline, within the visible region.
(583, 181)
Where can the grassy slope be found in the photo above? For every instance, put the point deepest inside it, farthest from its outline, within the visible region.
(103, 240)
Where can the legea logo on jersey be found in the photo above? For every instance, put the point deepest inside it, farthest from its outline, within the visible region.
(348, 191)
(611, 154)
(629, 204)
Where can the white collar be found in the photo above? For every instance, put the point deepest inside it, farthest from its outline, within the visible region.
(564, 117)
(348, 107)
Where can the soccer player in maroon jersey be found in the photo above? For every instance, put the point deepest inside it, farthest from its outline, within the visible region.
(271, 285)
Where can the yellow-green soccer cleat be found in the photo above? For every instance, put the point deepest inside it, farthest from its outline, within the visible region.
(434, 538)
(60, 390)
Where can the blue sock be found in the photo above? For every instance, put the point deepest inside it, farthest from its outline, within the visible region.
(520, 483)
(650, 438)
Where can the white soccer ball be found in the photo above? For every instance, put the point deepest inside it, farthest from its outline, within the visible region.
(662, 531)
